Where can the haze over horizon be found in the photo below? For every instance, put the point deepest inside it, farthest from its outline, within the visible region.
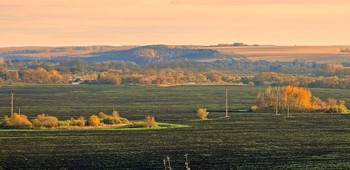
(173, 22)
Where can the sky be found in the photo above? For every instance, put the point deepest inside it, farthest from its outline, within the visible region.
(173, 22)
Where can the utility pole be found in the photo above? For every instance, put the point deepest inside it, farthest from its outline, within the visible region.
(227, 103)
(12, 104)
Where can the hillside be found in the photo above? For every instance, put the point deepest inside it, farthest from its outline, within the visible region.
(157, 53)
(140, 55)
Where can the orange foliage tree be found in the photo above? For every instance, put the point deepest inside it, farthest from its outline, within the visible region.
(94, 121)
(294, 98)
(291, 98)
(45, 121)
(18, 121)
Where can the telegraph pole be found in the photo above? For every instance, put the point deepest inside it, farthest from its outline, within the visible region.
(227, 102)
(12, 104)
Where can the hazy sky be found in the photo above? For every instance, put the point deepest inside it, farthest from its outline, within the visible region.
(201, 22)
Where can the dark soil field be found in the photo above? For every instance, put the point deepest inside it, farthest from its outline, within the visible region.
(243, 141)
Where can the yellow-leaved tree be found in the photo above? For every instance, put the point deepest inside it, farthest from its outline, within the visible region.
(202, 113)
(297, 99)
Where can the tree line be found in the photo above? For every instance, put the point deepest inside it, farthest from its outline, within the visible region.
(180, 72)
(295, 99)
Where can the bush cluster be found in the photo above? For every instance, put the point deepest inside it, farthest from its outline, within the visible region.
(112, 119)
(45, 121)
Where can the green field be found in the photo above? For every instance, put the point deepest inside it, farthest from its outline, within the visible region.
(243, 141)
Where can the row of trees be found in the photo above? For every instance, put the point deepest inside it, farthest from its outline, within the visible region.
(145, 77)
(171, 76)
(295, 99)
(277, 79)
(178, 72)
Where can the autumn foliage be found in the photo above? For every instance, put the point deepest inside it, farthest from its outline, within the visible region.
(112, 119)
(45, 121)
(150, 122)
(297, 99)
(202, 113)
(18, 121)
(94, 121)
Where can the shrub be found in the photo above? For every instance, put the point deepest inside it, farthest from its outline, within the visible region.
(102, 115)
(124, 120)
(65, 123)
(150, 122)
(202, 113)
(254, 108)
(18, 121)
(77, 122)
(94, 121)
(338, 109)
(112, 119)
(45, 121)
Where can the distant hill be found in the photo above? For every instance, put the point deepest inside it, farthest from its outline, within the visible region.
(158, 53)
(55, 52)
(140, 55)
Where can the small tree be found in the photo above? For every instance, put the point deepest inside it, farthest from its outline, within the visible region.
(150, 122)
(77, 122)
(18, 121)
(94, 121)
(202, 113)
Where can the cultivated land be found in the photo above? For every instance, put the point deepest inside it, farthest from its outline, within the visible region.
(320, 54)
(245, 140)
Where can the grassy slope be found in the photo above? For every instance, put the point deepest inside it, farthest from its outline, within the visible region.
(246, 140)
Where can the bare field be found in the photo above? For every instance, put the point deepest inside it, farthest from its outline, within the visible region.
(320, 54)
